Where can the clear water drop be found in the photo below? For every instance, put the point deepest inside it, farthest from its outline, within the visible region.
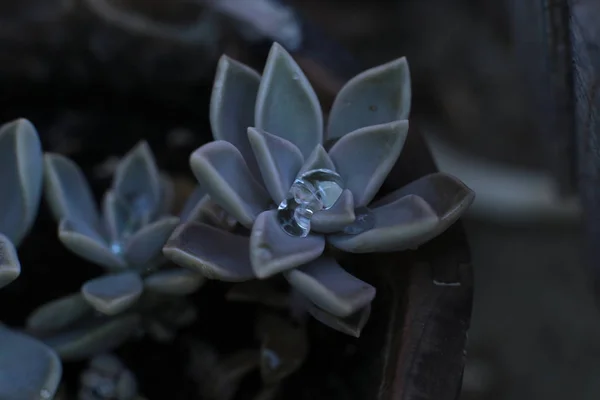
(364, 221)
(45, 394)
(116, 248)
(313, 191)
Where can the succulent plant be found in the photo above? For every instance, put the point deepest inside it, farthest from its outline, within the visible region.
(29, 368)
(269, 160)
(127, 237)
(139, 292)
(107, 378)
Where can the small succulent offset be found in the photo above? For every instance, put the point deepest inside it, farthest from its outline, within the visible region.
(30, 369)
(139, 290)
(270, 169)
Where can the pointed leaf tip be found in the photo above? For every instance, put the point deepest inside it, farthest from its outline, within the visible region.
(366, 156)
(112, 294)
(286, 104)
(376, 96)
(10, 267)
(232, 106)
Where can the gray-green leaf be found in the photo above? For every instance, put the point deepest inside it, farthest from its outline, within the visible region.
(103, 336)
(146, 244)
(376, 96)
(286, 104)
(21, 166)
(112, 294)
(88, 244)
(137, 180)
(59, 314)
(68, 192)
(177, 281)
(351, 325)
(10, 267)
(232, 106)
(29, 368)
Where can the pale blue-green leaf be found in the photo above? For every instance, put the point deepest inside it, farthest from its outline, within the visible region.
(376, 96)
(206, 249)
(221, 170)
(29, 368)
(232, 106)
(113, 294)
(272, 250)
(337, 217)
(287, 105)
(191, 203)
(88, 244)
(58, 314)
(330, 287)
(318, 159)
(100, 337)
(68, 192)
(10, 267)
(446, 194)
(115, 214)
(209, 212)
(279, 161)
(146, 244)
(179, 281)
(352, 325)
(403, 224)
(137, 179)
(365, 157)
(21, 164)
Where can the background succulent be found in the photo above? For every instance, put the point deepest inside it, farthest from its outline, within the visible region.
(267, 132)
(139, 292)
(29, 368)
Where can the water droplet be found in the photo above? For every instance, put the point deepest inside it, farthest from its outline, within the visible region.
(45, 394)
(364, 221)
(116, 248)
(313, 191)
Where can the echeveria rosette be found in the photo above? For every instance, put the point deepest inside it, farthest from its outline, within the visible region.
(126, 237)
(254, 160)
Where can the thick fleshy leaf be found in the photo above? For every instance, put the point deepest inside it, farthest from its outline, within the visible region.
(10, 267)
(376, 96)
(88, 244)
(191, 203)
(147, 243)
(279, 161)
(30, 369)
(115, 214)
(318, 159)
(365, 157)
(446, 194)
(100, 337)
(284, 347)
(137, 179)
(220, 168)
(177, 281)
(232, 106)
(59, 314)
(273, 251)
(330, 287)
(400, 225)
(210, 213)
(68, 192)
(215, 253)
(337, 217)
(21, 163)
(287, 105)
(112, 294)
(351, 325)
(263, 292)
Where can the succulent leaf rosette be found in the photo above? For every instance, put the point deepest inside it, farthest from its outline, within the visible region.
(269, 150)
